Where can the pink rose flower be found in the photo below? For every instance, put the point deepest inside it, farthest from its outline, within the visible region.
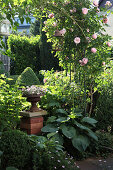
(71, 11)
(103, 63)
(54, 24)
(84, 11)
(77, 40)
(51, 15)
(63, 31)
(83, 61)
(109, 44)
(105, 19)
(87, 29)
(108, 3)
(44, 80)
(93, 50)
(95, 3)
(94, 36)
(98, 10)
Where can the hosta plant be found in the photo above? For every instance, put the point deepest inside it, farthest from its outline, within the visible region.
(72, 126)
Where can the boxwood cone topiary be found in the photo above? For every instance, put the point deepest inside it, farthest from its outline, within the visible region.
(28, 78)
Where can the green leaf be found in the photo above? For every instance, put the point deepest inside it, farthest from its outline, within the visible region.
(80, 142)
(11, 168)
(92, 134)
(51, 119)
(1, 153)
(89, 120)
(49, 135)
(59, 139)
(61, 111)
(53, 104)
(68, 131)
(50, 128)
(81, 126)
(62, 119)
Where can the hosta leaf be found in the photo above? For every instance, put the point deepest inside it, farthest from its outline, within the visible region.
(68, 131)
(89, 120)
(59, 138)
(49, 135)
(51, 119)
(53, 104)
(62, 119)
(50, 128)
(61, 111)
(80, 142)
(92, 134)
(81, 126)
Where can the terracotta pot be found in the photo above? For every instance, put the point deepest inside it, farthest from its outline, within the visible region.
(33, 99)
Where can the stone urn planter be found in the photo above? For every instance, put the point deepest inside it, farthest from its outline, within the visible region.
(33, 99)
(32, 119)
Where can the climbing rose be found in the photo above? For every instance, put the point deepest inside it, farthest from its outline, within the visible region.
(98, 10)
(51, 15)
(44, 80)
(87, 29)
(95, 3)
(109, 44)
(83, 61)
(103, 63)
(77, 40)
(93, 50)
(94, 36)
(108, 3)
(63, 31)
(54, 24)
(84, 11)
(105, 19)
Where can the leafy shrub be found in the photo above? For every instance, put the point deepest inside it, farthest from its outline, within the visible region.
(103, 146)
(58, 83)
(13, 79)
(11, 103)
(49, 155)
(24, 52)
(68, 123)
(28, 78)
(16, 147)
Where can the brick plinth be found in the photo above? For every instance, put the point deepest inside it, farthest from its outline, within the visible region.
(32, 123)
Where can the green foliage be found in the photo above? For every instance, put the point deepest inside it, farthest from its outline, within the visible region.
(28, 78)
(49, 155)
(2, 70)
(11, 102)
(12, 79)
(104, 145)
(24, 52)
(68, 123)
(17, 149)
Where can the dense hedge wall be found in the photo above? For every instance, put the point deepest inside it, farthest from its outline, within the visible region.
(24, 52)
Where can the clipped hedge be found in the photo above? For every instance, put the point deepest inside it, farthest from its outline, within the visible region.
(17, 149)
(28, 78)
(24, 52)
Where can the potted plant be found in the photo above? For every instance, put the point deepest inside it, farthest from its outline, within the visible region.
(33, 94)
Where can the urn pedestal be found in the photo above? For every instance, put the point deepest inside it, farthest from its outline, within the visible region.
(32, 122)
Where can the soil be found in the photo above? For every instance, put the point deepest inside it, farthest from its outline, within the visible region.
(96, 164)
